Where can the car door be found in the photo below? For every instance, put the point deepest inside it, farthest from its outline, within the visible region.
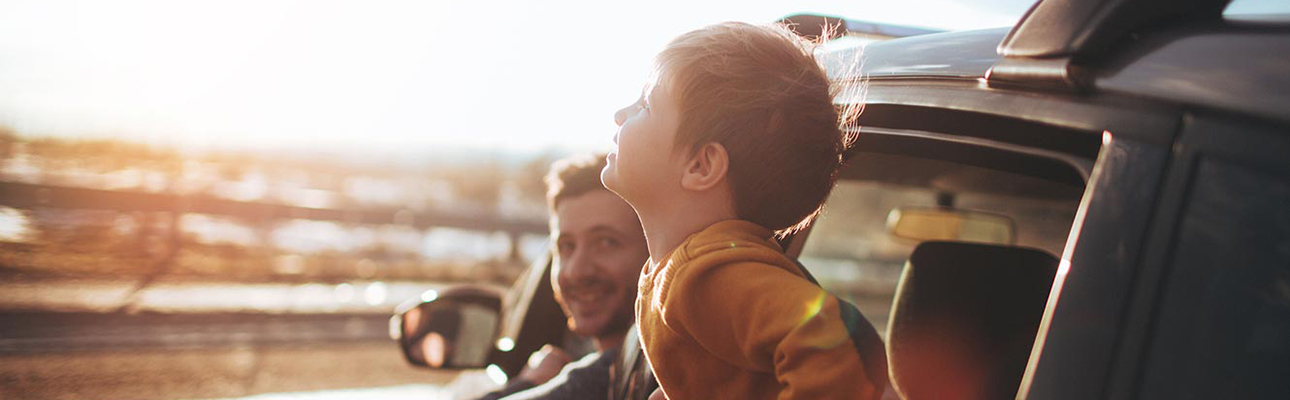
(1119, 147)
(1212, 303)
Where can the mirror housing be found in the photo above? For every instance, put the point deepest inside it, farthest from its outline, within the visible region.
(947, 224)
(452, 329)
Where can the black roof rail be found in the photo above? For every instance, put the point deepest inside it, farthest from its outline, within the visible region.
(811, 26)
(1044, 47)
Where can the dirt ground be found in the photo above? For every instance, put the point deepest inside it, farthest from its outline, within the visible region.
(207, 373)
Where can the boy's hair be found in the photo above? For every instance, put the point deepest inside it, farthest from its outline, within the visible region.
(573, 176)
(760, 93)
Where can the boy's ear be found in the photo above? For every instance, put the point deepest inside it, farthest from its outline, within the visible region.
(707, 168)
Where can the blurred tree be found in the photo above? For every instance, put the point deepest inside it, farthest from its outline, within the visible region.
(530, 177)
(102, 156)
(8, 142)
(479, 184)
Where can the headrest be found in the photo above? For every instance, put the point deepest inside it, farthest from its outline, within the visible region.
(964, 319)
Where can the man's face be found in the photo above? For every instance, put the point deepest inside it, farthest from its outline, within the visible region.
(643, 166)
(600, 249)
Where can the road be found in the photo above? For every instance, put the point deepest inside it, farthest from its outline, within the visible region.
(198, 356)
(215, 372)
(74, 340)
(46, 332)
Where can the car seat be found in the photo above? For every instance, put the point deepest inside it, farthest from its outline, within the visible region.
(964, 319)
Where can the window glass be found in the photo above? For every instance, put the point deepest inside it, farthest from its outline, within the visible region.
(1259, 7)
(853, 255)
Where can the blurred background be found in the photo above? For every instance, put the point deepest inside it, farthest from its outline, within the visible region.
(215, 199)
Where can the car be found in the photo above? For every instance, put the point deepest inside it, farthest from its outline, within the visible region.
(1091, 204)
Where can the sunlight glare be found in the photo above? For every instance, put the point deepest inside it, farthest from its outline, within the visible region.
(405, 75)
(14, 226)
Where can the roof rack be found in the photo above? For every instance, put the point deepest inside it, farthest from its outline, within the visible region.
(1044, 48)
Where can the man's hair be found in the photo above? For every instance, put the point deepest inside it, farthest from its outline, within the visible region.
(759, 92)
(573, 176)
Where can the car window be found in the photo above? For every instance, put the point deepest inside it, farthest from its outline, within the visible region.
(1274, 10)
(853, 255)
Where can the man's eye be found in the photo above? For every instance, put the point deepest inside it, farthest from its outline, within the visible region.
(564, 248)
(607, 242)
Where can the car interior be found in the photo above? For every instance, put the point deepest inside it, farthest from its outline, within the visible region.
(949, 245)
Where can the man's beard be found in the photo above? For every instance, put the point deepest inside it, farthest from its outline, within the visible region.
(621, 320)
(623, 317)
(618, 323)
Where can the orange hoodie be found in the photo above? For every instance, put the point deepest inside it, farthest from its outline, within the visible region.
(728, 316)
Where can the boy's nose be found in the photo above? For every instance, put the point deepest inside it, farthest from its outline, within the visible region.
(621, 116)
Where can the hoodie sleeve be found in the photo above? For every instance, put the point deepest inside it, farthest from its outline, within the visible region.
(764, 318)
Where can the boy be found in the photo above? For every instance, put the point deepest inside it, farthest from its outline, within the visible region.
(738, 138)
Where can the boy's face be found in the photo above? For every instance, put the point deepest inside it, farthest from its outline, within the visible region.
(643, 166)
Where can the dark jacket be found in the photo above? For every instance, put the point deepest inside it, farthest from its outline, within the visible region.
(587, 378)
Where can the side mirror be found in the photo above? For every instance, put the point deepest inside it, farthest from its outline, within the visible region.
(945, 224)
(453, 329)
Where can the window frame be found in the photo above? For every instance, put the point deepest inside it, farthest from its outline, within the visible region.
(1135, 141)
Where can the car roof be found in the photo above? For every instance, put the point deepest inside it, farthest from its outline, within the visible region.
(1235, 65)
(964, 54)
(1238, 68)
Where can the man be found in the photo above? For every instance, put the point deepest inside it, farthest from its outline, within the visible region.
(599, 251)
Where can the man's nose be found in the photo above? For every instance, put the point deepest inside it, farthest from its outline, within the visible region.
(578, 265)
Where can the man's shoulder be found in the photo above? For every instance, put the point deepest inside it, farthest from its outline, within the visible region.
(588, 377)
(594, 359)
(593, 367)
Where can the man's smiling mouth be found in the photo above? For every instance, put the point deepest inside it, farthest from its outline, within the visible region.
(589, 293)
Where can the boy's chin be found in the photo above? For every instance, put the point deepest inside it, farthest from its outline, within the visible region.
(609, 179)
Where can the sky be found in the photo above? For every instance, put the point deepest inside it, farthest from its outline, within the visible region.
(405, 76)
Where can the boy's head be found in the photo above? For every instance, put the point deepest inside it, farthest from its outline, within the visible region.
(752, 97)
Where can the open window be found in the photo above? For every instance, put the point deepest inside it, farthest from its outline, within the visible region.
(982, 212)
(857, 248)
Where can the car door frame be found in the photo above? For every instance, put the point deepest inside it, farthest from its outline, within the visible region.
(1079, 338)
